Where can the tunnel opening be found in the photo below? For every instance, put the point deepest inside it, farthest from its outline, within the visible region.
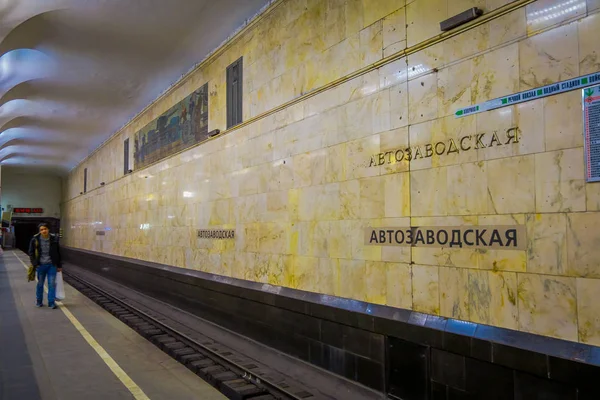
(26, 227)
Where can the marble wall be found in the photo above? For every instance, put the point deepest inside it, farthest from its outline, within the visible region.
(298, 188)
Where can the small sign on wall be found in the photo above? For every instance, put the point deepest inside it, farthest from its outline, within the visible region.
(591, 127)
(216, 234)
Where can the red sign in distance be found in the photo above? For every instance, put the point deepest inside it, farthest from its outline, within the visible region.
(28, 210)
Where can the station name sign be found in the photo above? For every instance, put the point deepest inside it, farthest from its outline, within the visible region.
(22, 210)
(464, 143)
(505, 237)
(216, 233)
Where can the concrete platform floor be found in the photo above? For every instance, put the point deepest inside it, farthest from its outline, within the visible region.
(44, 353)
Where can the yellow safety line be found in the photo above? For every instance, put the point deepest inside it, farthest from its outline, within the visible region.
(135, 390)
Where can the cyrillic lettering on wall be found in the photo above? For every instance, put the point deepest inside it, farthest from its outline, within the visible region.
(216, 234)
(509, 237)
(445, 148)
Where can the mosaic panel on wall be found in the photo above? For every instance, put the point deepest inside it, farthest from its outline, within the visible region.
(182, 126)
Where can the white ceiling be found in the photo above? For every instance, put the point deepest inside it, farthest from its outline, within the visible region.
(72, 72)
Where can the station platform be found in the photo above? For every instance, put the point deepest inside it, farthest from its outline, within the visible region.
(79, 350)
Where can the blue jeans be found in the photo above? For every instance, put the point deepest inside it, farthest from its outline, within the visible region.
(44, 270)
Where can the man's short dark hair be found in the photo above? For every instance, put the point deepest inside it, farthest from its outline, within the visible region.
(44, 224)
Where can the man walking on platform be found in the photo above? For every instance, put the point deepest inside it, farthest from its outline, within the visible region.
(44, 253)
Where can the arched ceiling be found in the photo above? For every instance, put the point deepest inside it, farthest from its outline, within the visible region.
(72, 72)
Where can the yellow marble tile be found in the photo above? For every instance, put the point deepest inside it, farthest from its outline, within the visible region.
(563, 121)
(392, 141)
(560, 184)
(428, 192)
(399, 285)
(423, 18)
(466, 44)
(375, 282)
(269, 267)
(371, 44)
(508, 27)
(374, 11)
(502, 260)
(394, 48)
(530, 132)
(328, 206)
(454, 87)
(449, 257)
(359, 153)
(425, 288)
(276, 206)
(592, 194)
(588, 310)
(326, 270)
(350, 199)
(372, 203)
(340, 241)
(450, 131)
(496, 73)
(273, 237)
(467, 189)
(335, 22)
(589, 49)
(549, 57)
(394, 29)
(548, 306)
(352, 279)
(582, 245)
(547, 244)
(354, 16)
(399, 106)
(381, 111)
(397, 195)
(302, 167)
(336, 163)
(423, 98)
(454, 293)
(420, 135)
(303, 275)
(244, 265)
(317, 238)
(396, 253)
(542, 14)
(426, 60)
(359, 250)
(493, 298)
(516, 173)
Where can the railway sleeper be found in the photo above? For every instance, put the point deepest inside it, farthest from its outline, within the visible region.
(188, 358)
(239, 389)
(170, 346)
(198, 365)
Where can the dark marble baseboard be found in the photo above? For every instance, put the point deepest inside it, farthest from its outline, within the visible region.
(406, 354)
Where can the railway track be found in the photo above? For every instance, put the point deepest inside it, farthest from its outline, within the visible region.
(236, 378)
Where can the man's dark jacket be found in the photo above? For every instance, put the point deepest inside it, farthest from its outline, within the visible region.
(35, 251)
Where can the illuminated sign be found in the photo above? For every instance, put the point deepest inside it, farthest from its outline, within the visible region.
(28, 210)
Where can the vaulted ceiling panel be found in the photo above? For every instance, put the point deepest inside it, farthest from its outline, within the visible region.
(72, 72)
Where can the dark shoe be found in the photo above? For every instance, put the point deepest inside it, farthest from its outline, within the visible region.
(53, 306)
(39, 305)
